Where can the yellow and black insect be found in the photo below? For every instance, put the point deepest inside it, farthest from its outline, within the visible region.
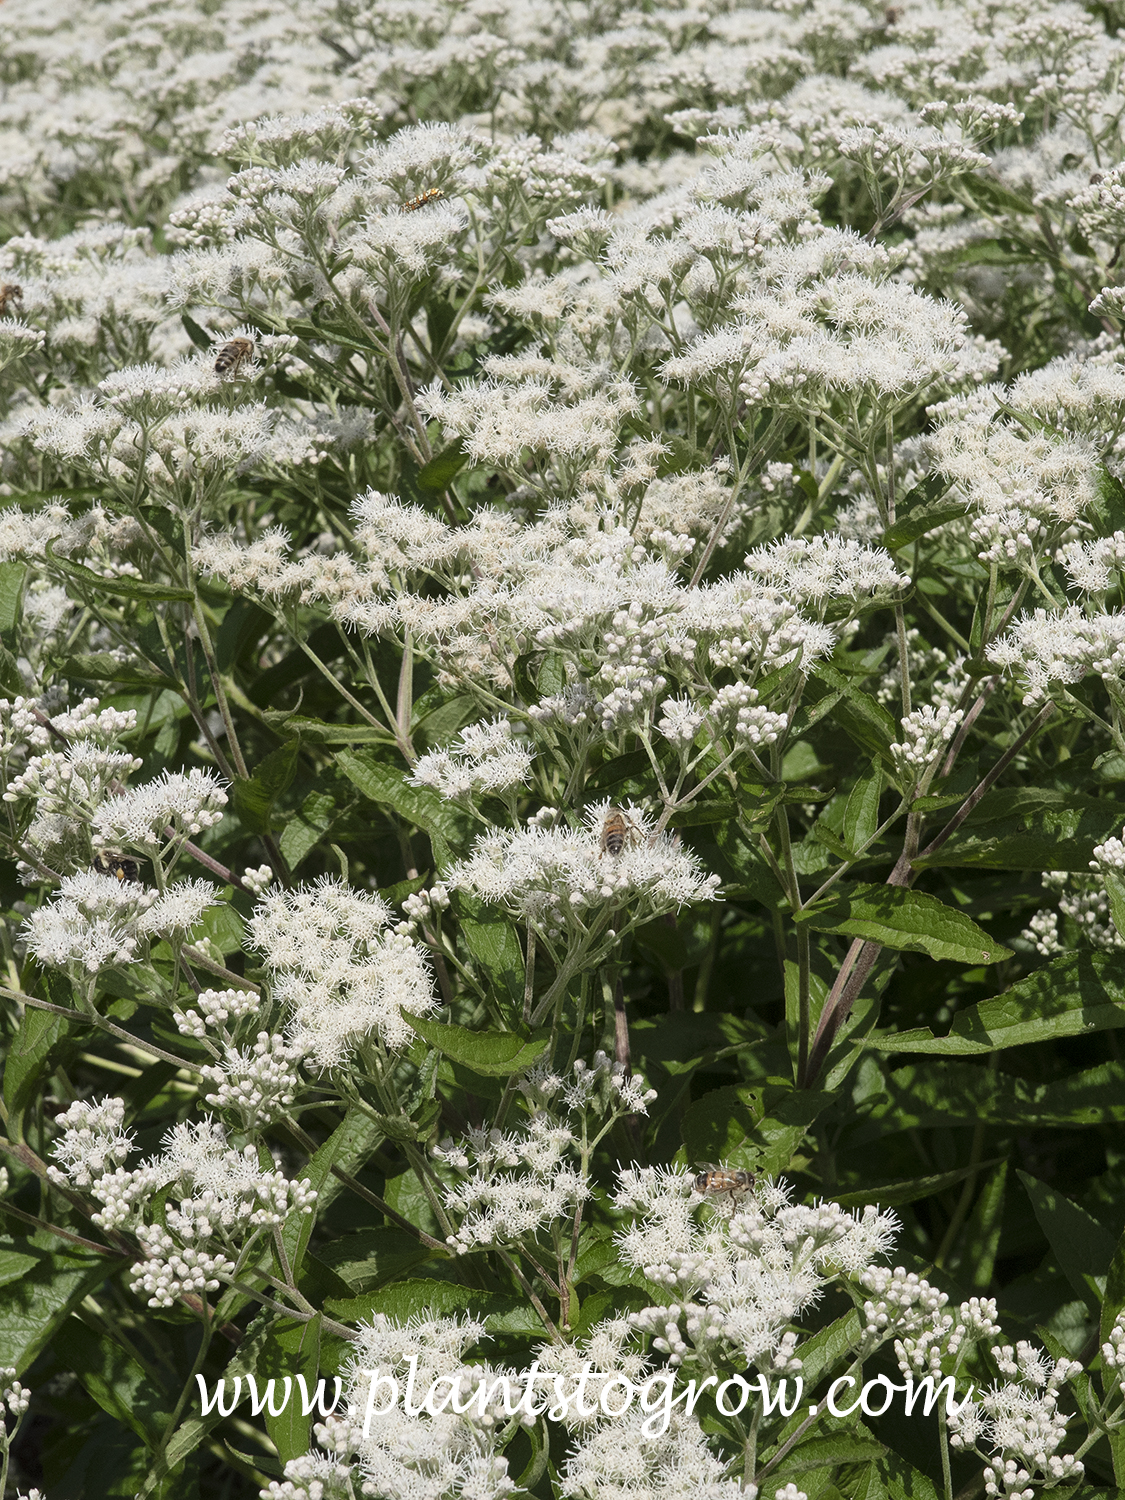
(617, 831)
(427, 197)
(123, 867)
(231, 356)
(716, 1180)
(10, 294)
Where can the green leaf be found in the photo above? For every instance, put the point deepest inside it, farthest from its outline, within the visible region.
(861, 816)
(859, 714)
(254, 799)
(33, 1308)
(920, 521)
(113, 1377)
(755, 1128)
(906, 920)
(493, 1054)
(1031, 828)
(101, 666)
(14, 1265)
(450, 828)
(298, 1227)
(38, 1032)
(1073, 995)
(119, 588)
(443, 468)
(290, 1349)
(910, 1189)
(1082, 1247)
(406, 1299)
(493, 943)
(223, 926)
(200, 338)
(321, 733)
(12, 577)
(980, 1241)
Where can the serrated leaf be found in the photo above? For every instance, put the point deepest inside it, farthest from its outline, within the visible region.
(1073, 995)
(910, 921)
(1083, 1247)
(493, 1054)
(101, 666)
(36, 1305)
(113, 1377)
(119, 588)
(861, 815)
(290, 1349)
(910, 1189)
(448, 826)
(254, 799)
(39, 1030)
(199, 337)
(405, 1299)
(493, 943)
(754, 1128)
(919, 522)
(443, 468)
(12, 577)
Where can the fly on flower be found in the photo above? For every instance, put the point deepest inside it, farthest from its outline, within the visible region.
(617, 831)
(429, 196)
(123, 867)
(10, 294)
(714, 1181)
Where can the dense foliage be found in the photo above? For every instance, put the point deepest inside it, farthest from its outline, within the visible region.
(562, 742)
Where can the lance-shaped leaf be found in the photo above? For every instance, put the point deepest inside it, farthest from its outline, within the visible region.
(907, 920)
(494, 1054)
(1073, 995)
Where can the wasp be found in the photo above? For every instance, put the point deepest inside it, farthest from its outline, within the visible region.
(232, 355)
(716, 1180)
(123, 867)
(10, 294)
(617, 830)
(427, 197)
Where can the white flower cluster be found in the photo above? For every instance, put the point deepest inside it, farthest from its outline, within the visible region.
(96, 921)
(261, 1083)
(1062, 646)
(1017, 1426)
(344, 978)
(521, 1181)
(403, 1454)
(14, 1397)
(744, 1273)
(926, 732)
(1082, 898)
(559, 878)
(484, 758)
(218, 1198)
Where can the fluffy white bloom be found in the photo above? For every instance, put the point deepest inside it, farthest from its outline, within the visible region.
(1061, 646)
(187, 803)
(483, 759)
(343, 976)
(742, 1276)
(553, 876)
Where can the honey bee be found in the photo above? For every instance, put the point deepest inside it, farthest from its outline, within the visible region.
(10, 294)
(427, 197)
(123, 867)
(617, 830)
(232, 355)
(716, 1180)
